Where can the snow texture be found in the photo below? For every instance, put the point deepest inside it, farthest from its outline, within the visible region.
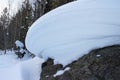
(60, 72)
(98, 55)
(12, 68)
(19, 44)
(71, 31)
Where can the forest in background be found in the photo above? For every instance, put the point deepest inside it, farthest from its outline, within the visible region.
(15, 27)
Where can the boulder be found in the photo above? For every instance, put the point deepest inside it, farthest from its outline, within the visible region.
(99, 64)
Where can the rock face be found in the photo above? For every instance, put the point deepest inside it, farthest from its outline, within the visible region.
(99, 64)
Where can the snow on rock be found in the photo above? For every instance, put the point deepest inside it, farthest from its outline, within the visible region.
(60, 72)
(98, 55)
(19, 44)
(70, 31)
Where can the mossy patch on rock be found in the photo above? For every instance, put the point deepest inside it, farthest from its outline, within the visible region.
(99, 64)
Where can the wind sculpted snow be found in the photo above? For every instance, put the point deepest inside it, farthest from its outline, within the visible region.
(70, 31)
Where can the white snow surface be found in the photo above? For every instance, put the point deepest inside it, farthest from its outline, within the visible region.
(60, 72)
(72, 30)
(12, 68)
(19, 44)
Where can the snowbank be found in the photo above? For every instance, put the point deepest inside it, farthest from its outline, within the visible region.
(12, 68)
(72, 30)
(9, 59)
(31, 69)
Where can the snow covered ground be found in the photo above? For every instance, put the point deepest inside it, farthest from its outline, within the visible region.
(65, 34)
(12, 68)
(72, 30)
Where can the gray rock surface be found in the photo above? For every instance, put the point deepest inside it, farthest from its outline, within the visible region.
(99, 64)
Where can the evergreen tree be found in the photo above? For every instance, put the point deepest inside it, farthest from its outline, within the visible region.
(4, 24)
(15, 28)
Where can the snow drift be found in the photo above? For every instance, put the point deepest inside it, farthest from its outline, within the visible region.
(72, 30)
(12, 68)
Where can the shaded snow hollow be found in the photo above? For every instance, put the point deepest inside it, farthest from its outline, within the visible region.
(70, 31)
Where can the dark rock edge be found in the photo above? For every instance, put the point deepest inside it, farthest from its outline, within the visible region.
(99, 64)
